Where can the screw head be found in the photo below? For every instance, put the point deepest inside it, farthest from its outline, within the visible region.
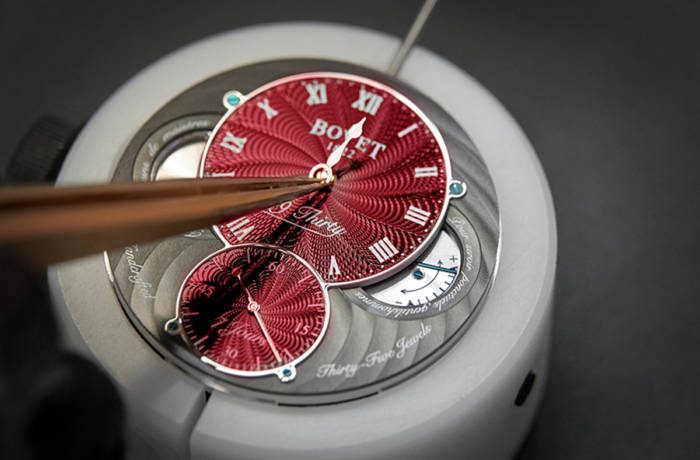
(457, 188)
(287, 374)
(172, 326)
(232, 99)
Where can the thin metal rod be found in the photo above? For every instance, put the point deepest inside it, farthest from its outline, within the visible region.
(411, 36)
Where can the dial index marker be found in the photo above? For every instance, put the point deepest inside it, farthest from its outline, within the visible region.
(368, 102)
(267, 108)
(383, 249)
(407, 130)
(317, 93)
(417, 215)
(334, 269)
(428, 171)
(240, 227)
(233, 143)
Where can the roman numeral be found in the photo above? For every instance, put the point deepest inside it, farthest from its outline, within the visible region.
(317, 93)
(334, 269)
(383, 249)
(269, 111)
(417, 215)
(429, 171)
(240, 227)
(407, 130)
(368, 102)
(233, 143)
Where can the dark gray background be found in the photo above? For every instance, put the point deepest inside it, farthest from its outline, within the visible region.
(609, 95)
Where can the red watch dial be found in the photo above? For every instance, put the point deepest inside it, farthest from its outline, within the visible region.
(253, 310)
(390, 189)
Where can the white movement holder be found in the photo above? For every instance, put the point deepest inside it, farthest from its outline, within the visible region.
(462, 406)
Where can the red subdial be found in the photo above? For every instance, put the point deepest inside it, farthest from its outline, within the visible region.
(387, 162)
(252, 310)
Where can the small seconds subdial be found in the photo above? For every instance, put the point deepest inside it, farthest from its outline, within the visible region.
(252, 310)
(427, 279)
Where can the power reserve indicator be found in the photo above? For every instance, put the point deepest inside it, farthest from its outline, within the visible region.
(426, 280)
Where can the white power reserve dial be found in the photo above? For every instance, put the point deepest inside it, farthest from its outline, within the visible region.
(431, 276)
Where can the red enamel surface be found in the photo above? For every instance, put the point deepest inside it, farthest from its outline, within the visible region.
(370, 197)
(214, 311)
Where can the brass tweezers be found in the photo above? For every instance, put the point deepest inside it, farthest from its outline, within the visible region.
(50, 224)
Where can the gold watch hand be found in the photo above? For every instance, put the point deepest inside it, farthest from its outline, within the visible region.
(354, 132)
(254, 308)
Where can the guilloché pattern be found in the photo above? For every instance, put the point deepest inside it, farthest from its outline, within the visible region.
(259, 306)
(386, 164)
